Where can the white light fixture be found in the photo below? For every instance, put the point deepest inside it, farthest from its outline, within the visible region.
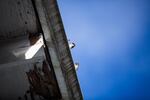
(34, 49)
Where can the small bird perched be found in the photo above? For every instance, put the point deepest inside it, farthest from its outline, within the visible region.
(76, 65)
(71, 44)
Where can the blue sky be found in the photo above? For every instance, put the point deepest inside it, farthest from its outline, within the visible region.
(112, 46)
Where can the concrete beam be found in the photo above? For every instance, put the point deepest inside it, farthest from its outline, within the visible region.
(45, 24)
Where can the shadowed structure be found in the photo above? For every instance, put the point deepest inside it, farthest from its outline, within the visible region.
(35, 61)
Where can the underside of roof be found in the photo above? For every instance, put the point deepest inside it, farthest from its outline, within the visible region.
(22, 24)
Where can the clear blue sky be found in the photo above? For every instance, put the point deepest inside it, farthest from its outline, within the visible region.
(113, 47)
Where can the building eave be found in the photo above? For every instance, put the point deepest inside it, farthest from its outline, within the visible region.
(68, 67)
(56, 39)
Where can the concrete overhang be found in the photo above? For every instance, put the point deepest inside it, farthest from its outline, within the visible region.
(53, 29)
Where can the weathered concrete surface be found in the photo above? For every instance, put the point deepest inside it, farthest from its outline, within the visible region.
(21, 18)
(17, 17)
(47, 33)
(13, 79)
(15, 49)
(52, 25)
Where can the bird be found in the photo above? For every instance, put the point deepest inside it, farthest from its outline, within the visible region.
(76, 65)
(71, 44)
